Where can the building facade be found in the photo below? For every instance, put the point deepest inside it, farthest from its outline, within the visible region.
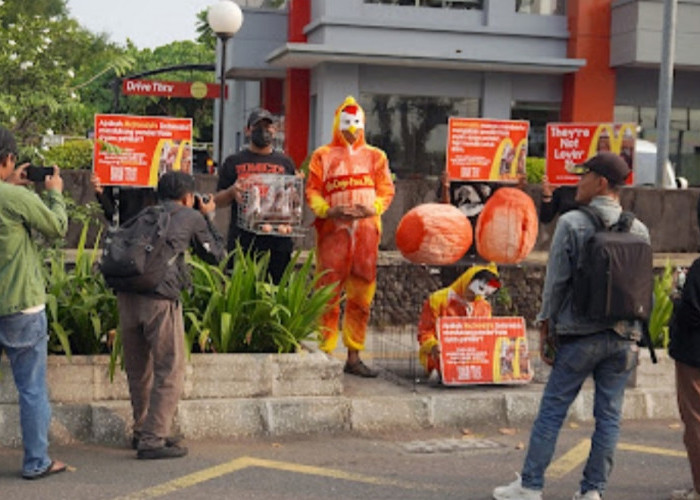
(414, 63)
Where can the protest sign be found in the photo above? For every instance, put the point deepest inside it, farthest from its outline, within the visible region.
(574, 143)
(483, 350)
(136, 150)
(486, 150)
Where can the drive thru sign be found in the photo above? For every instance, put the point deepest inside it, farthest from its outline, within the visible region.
(197, 90)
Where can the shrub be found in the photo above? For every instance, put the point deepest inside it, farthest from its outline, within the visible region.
(663, 307)
(72, 154)
(81, 310)
(535, 169)
(245, 312)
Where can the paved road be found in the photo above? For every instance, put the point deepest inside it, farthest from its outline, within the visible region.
(422, 465)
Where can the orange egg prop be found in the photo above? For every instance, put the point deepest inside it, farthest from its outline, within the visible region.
(506, 230)
(434, 233)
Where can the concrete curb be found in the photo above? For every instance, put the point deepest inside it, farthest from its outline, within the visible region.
(244, 395)
(108, 422)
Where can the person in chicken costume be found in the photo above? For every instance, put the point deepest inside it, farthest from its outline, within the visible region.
(348, 188)
(465, 297)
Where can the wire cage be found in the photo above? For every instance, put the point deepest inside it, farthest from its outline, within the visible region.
(395, 352)
(272, 205)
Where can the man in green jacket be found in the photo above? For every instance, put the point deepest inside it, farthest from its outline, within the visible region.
(23, 334)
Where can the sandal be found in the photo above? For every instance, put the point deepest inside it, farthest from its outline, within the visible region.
(360, 369)
(53, 468)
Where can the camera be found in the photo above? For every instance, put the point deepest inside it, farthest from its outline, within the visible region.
(38, 174)
(199, 199)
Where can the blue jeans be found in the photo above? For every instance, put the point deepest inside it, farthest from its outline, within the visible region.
(610, 359)
(23, 337)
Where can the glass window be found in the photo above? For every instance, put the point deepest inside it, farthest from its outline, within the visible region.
(695, 119)
(538, 114)
(447, 4)
(679, 119)
(263, 4)
(647, 120)
(412, 130)
(541, 7)
(626, 114)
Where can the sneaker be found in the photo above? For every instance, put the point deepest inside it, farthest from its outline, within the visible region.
(169, 441)
(516, 491)
(174, 451)
(589, 495)
(685, 495)
(360, 369)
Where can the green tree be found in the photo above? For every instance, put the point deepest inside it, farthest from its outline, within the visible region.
(44, 8)
(205, 35)
(172, 54)
(44, 58)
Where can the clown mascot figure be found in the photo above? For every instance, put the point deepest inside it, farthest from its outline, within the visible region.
(348, 188)
(465, 297)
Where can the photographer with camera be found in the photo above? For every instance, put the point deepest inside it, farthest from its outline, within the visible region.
(23, 328)
(151, 319)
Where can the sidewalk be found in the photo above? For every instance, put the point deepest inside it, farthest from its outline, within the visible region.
(399, 399)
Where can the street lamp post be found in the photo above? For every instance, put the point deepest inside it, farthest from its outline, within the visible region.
(225, 19)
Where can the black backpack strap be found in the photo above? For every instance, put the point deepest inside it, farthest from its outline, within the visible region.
(624, 223)
(594, 217)
(646, 341)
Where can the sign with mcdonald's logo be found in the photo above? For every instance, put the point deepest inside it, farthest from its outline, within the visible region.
(573, 143)
(135, 150)
(486, 150)
(483, 350)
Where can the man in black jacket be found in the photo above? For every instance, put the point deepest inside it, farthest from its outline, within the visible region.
(121, 203)
(152, 324)
(685, 350)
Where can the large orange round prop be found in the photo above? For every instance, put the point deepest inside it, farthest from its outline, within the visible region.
(506, 229)
(434, 233)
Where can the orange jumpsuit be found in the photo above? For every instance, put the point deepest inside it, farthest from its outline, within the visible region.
(341, 173)
(448, 301)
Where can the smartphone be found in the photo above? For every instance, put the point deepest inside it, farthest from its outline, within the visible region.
(38, 174)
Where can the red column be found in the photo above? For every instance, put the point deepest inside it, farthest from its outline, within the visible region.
(296, 88)
(272, 93)
(589, 94)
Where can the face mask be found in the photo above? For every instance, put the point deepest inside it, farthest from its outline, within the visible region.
(261, 137)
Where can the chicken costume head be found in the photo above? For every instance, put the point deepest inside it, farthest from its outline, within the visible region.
(349, 123)
(481, 281)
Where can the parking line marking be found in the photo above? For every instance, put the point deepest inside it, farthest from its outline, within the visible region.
(652, 450)
(339, 474)
(569, 460)
(245, 462)
(579, 454)
(189, 480)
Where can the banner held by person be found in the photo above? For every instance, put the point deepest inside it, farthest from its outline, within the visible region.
(136, 150)
(486, 150)
(570, 144)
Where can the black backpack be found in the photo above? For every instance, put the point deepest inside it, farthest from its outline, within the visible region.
(614, 277)
(138, 254)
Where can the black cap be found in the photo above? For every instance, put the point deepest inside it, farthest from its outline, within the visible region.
(7, 142)
(610, 165)
(259, 114)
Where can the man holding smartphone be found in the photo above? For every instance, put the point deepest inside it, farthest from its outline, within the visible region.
(23, 335)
